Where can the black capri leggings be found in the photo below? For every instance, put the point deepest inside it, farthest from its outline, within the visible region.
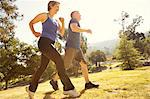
(50, 53)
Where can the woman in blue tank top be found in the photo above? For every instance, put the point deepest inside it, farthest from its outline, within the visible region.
(50, 28)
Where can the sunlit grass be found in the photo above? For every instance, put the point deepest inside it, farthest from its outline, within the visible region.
(114, 84)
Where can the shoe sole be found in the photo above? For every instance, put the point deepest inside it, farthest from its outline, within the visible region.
(91, 88)
(71, 95)
(27, 90)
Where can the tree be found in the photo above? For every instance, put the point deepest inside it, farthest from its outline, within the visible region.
(147, 46)
(8, 15)
(129, 29)
(14, 61)
(122, 21)
(17, 59)
(97, 56)
(126, 52)
(9, 67)
(84, 46)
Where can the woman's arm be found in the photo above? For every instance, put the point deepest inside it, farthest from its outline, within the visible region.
(62, 27)
(39, 18)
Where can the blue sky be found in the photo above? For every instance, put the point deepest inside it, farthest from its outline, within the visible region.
(97, 15)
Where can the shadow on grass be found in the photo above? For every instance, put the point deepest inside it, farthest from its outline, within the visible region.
(19, 84)
(48, 95)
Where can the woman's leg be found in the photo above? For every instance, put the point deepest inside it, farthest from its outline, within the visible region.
(51, 53)
(36, 76)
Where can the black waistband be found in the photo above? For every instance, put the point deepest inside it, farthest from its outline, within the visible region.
(46, 40)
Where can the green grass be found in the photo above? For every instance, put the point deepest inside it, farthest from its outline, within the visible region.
(114, 84)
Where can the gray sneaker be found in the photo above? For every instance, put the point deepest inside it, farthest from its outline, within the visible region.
(72, 93)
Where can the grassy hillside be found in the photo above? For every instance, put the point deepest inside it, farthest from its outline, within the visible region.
(114, 84)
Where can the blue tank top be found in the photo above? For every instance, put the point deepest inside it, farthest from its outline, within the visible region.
(50, 29)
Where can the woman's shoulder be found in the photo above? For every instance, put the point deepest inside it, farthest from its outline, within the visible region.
(43, 14)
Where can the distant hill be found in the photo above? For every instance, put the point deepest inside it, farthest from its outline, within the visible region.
(106, 46)
(147, 34)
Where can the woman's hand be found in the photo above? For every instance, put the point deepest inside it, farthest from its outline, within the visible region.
(37, 34)
(61, 19)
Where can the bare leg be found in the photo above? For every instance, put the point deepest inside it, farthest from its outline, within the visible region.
(55, 77)
(69, 55)
(84, 71)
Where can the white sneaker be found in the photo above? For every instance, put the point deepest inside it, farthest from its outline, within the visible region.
(72, 93)
(30, 93)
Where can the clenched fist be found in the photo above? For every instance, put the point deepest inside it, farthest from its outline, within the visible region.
(61, 19)
(89, 31)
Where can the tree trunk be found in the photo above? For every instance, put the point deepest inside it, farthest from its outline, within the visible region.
(96, 64)
(99, 65)
(6, 84)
